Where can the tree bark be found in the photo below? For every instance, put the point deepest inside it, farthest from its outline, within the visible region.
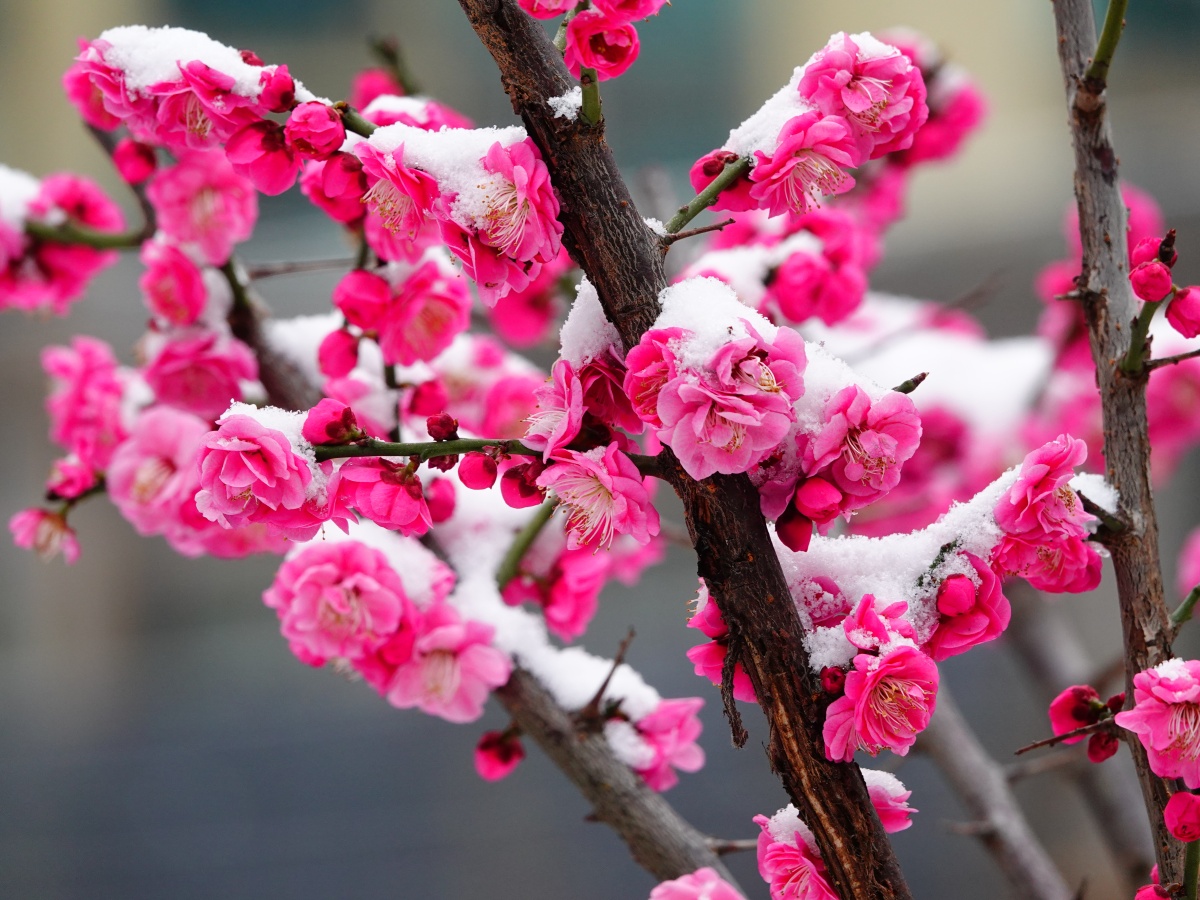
(1110, 309)
(624, 261)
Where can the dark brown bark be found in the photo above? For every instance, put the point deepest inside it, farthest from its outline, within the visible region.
(661, 841)
(624, 260)
(1110, 309)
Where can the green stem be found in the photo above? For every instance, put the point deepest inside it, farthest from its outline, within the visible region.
(911, 384)
(1183, 611)
(560, 36)
(591, 112)
(1136, 357)
(511, 563)
(1191, 865)
(353, 121)
(70, 233)
(707, 197)
(1114, 23)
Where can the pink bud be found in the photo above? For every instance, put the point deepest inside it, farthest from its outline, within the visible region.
(134, 160)
(497, 754)
(794, 529)
(363, 298)
(315, 130)
(442, 427)
(1115, 702)
(1101, 746)
(428, 398)
(1152, 248)
(1075, 707)
(818, 499)
(1182, 816)
(518, 486)
(439, 497)
(330, 422)
(338, 353)
(833, 679)
(260, 152)
(250, 58)
(955, 596)
(1151, 281)
(477, 471)
(1151, 892)
(278, 89)
(1184, 311)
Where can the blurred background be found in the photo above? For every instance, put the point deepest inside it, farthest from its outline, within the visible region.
(159, 740)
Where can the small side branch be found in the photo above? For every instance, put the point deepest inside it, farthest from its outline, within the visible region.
(1106, 47)
(511, 564)
(707, 197)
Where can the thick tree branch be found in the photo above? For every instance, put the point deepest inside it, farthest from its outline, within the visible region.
(621, 256)
(982, 786)
(660, 840)
(1110, 310)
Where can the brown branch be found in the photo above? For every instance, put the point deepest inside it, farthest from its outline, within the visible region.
(1081, 731)
(982, 786)
(659, 839)
(692, 232)
(606, 236)
(1110, 309)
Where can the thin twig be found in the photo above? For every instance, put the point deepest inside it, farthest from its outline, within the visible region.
(707, 197)
(1172, 360)
(723, 847)
(1106, 47)
(1038, 765)
(1066, 736)
(670, 239)
(292, 267)
(591, 716)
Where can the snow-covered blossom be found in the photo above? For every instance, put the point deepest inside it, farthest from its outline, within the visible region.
(788, 858)
(1166, 718)
(890, 799)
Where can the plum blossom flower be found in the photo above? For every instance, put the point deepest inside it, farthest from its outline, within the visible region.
(388, 493)
(890, 799)
(703, 884)
(85, 402)
(568, 589)
(648, 368)
(671, 731)
(202, 200)
(172, 285)
(134, 161)
(201, 371)
(559, 414)
(608, 44)
(889, 699)
(806, 165)
(709, 659)
(969, 613)
(1166, 718)
(1182, 816)
(261, 152)
(336, 186)
(338, 600)
(497, 754)
(46, 533)
(604, 495)
(788, 858)
(452, 667)
(315, 130)
(402, 196)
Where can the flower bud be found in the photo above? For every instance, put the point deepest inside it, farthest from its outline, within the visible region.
(1184, 311)
(442, 427)
(439, 497)
(1182, 816)
(794, 529)
(338, 354)
(833, 680)
(278, 92)
(134, 160)
(818, 499)
(497, 754)
(477, 471)
(330, 422)
(1151, 281)
(1101, 746)
(315, 130)
(428, 398)
(956, 595)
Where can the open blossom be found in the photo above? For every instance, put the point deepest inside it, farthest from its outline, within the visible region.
(888, 701)
(201, 200)
(604, 496)
(671, 731)
(427, 310)
(709, 659)
(568, 590)
(261, 152)
(862, 444)
(648, 368)
(85, 402)
(388, 493)
(608, 44)
(788, 858)
(559, 414)
(338, 600)
(1166, 718)
(968, 613)
(604, 397)
(879, 92)
(47, 533)
(172, 285)
(401, 196)
(336, 186)
(201, 371)
(452, 667)
(703, 884)
(890, 799)
(250, 473)
(808, 164)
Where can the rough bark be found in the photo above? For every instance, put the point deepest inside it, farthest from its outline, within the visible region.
(624, 260)
(982, 787)
(660, 840)
(1110, 309)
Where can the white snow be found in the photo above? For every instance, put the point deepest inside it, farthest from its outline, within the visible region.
(17, 191)
(586, 333)
(711, 312)
(290, 425)
(150, 55)
(567, 106)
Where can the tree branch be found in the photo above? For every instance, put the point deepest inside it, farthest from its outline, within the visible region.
(982, 786)
(608, 239)
(1110, 308)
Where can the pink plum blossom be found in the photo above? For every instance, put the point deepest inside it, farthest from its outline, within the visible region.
(546, 9)
(315, 130)
(709, 659)
(201, 371)
(648, 368)
(337, 354)
(46, 533)
(1182, 816)
(330, 422)
(1151, 281)
(261, 152)
(401, 196)
(172, 285)
(703, 884)
(603, 494)
(452, 669)
(890, 799)
(526, 317)
(85, 402)
(336, 186)
(806, 165)
(888, 701)
(736, 197)
(202, 200)
(671, 731)
(338, 600)
(1184, 311)
(604, 397)
(1166, 718)
(559, 414)
(629, 10)
(70, 478)
(968, 613)
(371, 83)
(568, 590)
(425, 313)
(608, 44)
(1075, 707)
(134, 161)
(881, 96)
(789, 860)
(388, 493)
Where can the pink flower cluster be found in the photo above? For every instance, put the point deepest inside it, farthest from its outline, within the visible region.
(601, 36)
(1080, 706)
(1045, 527)
(669, 732)
(1166, 718)
(345, 601)
(39, 275)
(856, 100)
(487, 191)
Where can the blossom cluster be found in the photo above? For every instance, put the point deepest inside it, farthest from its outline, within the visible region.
(601, 35)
